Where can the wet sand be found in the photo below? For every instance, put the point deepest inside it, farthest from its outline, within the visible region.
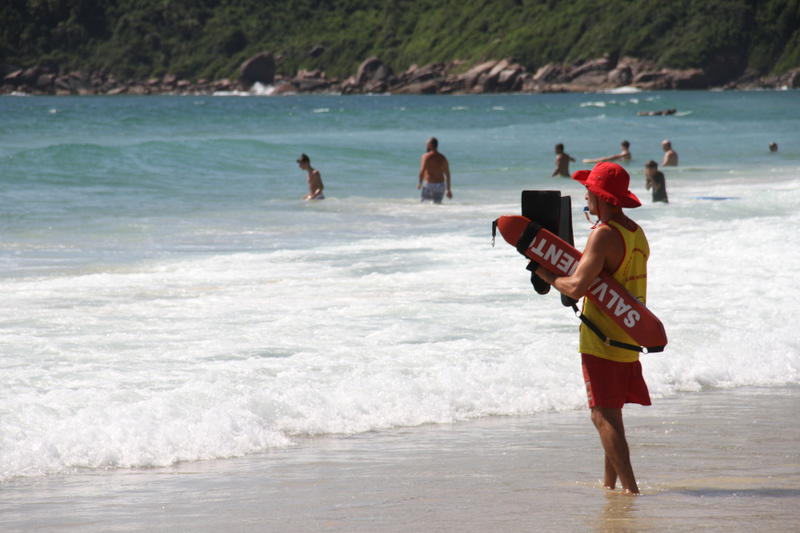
(720, 460)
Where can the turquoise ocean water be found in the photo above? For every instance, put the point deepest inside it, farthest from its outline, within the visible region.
(167, 297)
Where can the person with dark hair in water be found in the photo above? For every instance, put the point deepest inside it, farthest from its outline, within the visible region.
(654, 179)
(562, 162)
(314, 179)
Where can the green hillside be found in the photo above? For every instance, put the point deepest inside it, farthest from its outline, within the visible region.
(210, 38)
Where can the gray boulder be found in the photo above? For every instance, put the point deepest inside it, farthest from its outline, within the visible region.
(259, 68)
(373, 72)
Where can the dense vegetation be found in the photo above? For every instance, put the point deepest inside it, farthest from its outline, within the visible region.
(210, 38)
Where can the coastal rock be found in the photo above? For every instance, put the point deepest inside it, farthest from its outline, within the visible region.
(284, 87)
(750, 79)
(500, 78)
(317, 51)
(14, 78)
(79, 83)
(589, 75)
(367, 69)
(688, 79)
(350, 86)
(373, 72)
(487, 81)
(429, 79)
(312, 74)
(312, 84)
(222, 85)
(468, 80)
(652, 81)
(45, 81)
(31, 76)
(62, 83)
(259, 68)
(550, 73)
(310, 81)
(793, 79)
(591, 72)
(508, 79)
(139, 90)
(423, 87)
(375, 87)
(620, 77)
(636, 65)
(498, 68)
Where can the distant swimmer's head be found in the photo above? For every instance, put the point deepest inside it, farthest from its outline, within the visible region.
(432, 144)
(666, 145)
(773, 147)
(304, 159)
(609, 182)
(559, 148)
(650, 168)
(626, 144)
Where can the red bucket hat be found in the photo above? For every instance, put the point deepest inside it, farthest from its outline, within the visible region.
(609, 182)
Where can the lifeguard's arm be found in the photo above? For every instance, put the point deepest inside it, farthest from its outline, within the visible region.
(600, 249)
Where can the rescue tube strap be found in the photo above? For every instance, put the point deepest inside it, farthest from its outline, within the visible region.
(527, 236)
(610, 342)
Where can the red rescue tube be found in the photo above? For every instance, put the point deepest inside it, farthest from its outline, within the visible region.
(605, 292)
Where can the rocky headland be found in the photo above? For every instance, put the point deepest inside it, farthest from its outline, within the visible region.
(258, 76)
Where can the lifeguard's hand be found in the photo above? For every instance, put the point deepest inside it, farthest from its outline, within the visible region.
(545, 274)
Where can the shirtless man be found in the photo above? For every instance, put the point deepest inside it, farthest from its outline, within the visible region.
(314, 179)
(562, 162)
(670, 155)
(624, 155)
(435, 172)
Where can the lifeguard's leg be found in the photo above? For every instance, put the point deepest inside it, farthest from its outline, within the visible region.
(618, 459)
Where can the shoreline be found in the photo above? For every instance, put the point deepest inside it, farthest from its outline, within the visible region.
(718, 460)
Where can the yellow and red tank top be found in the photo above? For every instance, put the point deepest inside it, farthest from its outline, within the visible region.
(631, 274)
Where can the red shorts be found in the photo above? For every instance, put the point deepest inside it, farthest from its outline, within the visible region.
(612, 384)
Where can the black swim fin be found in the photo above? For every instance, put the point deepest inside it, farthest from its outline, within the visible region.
(543, 207)
(565, 232)
(539, 285)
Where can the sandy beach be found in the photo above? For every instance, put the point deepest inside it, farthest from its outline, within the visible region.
(720, 460)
